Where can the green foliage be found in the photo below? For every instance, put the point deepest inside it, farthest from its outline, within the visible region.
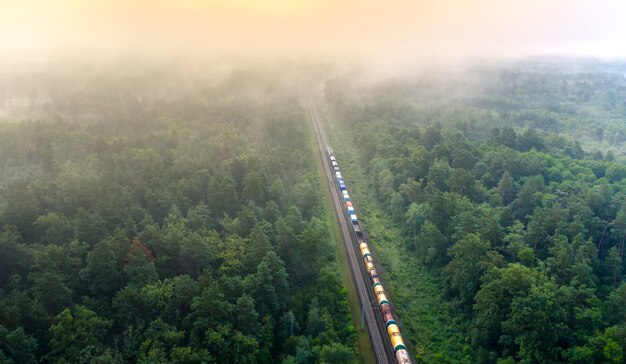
(336, 353)
(505, 198)
(139, 270)
(16, 346)
(164, 226)
(185, 224)
(271, 287)
(536, 323)
(77, 333)
(468, 264)
(15, 257)
(101, 271)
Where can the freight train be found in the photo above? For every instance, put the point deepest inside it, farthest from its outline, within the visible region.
(393, 331)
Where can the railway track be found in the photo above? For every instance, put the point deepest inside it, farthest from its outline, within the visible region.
(383, 351)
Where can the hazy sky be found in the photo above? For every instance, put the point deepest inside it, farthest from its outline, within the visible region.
(376, 28)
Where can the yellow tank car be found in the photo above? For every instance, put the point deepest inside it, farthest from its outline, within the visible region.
(396, 338)
(380, 294)
(367, 257)
(365, 252)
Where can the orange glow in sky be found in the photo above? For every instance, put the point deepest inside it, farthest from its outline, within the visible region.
(393, 28)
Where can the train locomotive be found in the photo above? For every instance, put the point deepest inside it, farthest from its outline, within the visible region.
(393, 331)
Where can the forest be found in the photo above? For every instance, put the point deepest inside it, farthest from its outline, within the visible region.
(506, 185)
(153, 216)
(160, 214)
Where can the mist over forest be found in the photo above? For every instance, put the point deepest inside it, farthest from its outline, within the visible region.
(174, 181)
(173, 211)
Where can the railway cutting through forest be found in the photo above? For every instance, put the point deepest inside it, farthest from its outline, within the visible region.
(373, 301)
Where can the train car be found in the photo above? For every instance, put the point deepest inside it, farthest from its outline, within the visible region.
(396, 338)
(365, 252)
(368, 259)
(338, 174)
(364, 249)
(342, 186)
(332, 158)
(402, 356)
(375, 280)
(372, 273)
(381, 297)
(353, 218)
(388, 318)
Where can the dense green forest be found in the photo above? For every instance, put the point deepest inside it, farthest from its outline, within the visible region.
(152, 215)
(164, 219)
(507, 185)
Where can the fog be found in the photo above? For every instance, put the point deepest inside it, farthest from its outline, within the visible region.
(388, 33)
